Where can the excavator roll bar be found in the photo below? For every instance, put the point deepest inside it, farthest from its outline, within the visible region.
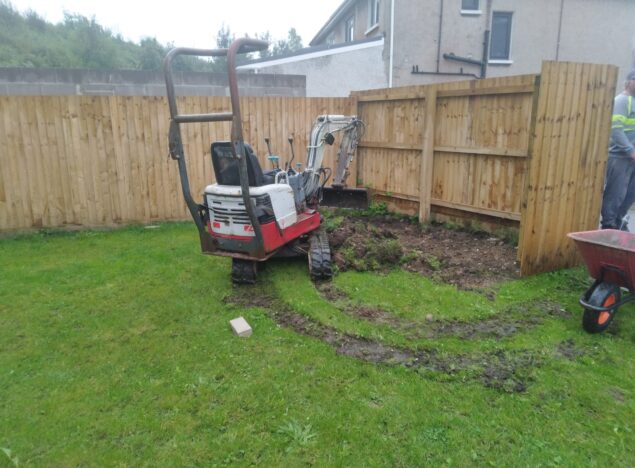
(239, 46)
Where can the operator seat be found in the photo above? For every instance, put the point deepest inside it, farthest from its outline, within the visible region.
(226, 166)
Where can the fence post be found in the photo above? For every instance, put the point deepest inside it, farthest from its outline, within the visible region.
(427, 154)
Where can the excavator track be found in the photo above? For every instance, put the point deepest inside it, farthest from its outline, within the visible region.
(244, 271)
(320, 266)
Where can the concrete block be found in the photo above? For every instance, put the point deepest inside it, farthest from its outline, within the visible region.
(240, 327)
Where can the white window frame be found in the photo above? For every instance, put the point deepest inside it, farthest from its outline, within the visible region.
(508, 60)
(471, 12)
(373, 14)
(350, 20)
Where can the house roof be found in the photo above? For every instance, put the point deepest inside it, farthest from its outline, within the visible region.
(334, 19)
(314, 52)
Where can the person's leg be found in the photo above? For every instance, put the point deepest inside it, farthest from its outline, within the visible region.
(618, 176)
(629, 198)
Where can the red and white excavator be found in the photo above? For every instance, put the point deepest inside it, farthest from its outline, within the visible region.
(252, 215)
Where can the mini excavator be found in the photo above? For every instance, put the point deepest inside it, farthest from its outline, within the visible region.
(251, 215)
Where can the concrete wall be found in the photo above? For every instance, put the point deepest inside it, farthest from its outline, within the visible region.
(58, 82)
(336, 74)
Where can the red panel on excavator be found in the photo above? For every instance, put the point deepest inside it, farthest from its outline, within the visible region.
(273, 237)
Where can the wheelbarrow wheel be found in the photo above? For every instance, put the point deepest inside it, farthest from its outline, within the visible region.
(604, 295)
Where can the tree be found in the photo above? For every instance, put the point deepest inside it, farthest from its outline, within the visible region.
(27, 40)
(151, 54)
(224, 37)
(292, 44)
(265, 37)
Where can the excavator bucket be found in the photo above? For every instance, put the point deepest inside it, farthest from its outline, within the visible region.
(344, 197)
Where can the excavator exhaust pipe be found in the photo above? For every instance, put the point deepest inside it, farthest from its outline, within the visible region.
(345, 197)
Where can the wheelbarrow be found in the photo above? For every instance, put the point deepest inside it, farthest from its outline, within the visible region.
(609, 255)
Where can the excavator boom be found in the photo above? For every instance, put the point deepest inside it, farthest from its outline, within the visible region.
(323, 133)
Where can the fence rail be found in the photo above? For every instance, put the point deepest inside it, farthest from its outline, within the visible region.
(527, 151)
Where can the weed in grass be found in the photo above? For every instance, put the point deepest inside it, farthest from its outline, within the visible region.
(296, 434)
(434, 434)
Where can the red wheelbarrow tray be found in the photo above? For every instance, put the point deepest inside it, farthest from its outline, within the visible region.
(609, 255)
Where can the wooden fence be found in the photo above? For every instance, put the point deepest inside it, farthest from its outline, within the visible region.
(93, 161)
(526, 151)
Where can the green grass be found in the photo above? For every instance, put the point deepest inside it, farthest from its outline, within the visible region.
(115, 349)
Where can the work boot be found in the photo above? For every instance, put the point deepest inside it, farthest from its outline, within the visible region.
(624, 223)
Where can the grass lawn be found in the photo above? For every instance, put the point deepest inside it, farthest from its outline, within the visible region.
(115, 349)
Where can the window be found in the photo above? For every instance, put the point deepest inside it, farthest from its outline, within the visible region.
(500, 42)
(373, 12)
(349, 34)
(470, 5)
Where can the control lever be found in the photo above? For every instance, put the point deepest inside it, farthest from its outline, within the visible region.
(275, 160)
(289, 164)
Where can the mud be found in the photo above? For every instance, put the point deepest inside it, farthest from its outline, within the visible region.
(507, 371)
(469, 260)
(569, 350)
(502, 325)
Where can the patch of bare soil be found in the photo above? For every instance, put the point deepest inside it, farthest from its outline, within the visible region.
(569, 350)
(466, 259)
(508, 371)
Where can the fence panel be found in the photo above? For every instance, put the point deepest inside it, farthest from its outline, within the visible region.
(91, 161)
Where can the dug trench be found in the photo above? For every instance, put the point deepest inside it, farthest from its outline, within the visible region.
(469, 260)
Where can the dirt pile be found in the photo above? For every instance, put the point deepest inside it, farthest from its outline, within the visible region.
(468, 260)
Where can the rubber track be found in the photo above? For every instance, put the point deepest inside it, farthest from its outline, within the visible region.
(320, 266)
(243, 271)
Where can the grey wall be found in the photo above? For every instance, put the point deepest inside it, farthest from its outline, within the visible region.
(337, 75)
(57, 82)
(594, 31)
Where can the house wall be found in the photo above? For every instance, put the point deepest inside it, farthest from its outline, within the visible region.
(535, 26)
(594, 31)
(360, 11)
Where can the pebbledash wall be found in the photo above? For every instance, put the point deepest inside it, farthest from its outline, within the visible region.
(81, 82)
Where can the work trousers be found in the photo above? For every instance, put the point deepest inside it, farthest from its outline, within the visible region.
(619, 191)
